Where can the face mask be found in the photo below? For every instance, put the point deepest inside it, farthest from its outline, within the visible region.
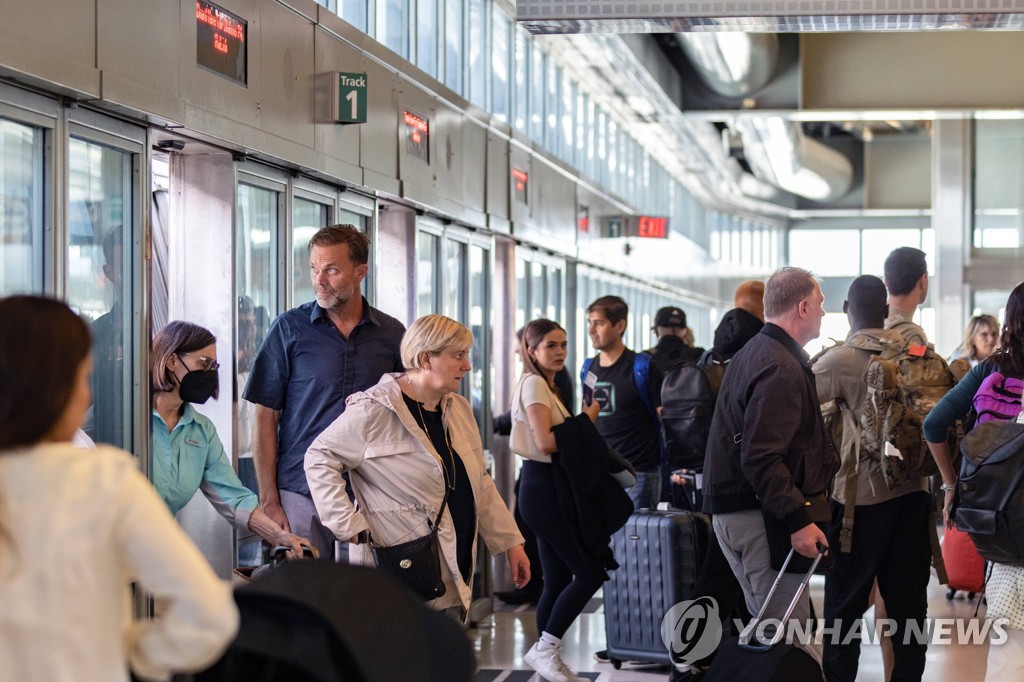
(198, 386)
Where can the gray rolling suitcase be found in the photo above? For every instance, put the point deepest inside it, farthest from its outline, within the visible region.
(659, 555)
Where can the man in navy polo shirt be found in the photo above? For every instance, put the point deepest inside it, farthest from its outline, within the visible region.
(312, 359)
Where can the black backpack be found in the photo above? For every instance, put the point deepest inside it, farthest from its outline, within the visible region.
(990, 494)
(688, 395)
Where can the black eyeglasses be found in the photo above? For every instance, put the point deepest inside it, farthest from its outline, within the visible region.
(209, 364)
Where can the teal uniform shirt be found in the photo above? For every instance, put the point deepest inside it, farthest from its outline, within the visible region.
(190, 458)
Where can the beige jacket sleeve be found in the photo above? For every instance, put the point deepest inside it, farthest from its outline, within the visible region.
(341, 447)
(497, 525)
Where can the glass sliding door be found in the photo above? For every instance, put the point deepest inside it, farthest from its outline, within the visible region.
(21, 208)
(427, 274)
(308, 216)
(258, 230)
(100, 216)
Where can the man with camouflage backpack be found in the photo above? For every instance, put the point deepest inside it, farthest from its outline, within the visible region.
(880, 522)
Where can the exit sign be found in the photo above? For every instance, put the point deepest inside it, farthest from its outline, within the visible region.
(349, 98)
(648, 227)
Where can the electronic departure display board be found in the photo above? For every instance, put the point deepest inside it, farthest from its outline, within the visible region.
(221, 42)
(521, 180)
(417, 136)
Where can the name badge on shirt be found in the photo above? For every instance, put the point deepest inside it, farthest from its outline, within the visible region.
(193, 442)
(589, 382)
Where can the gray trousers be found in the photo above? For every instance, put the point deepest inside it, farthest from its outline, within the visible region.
(743, 541)
(305, 522)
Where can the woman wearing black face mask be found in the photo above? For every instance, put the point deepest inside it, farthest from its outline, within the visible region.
(187, 452)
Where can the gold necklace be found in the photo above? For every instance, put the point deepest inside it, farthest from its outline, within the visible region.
(447, 439)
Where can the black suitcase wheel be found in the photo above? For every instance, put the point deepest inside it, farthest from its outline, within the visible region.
(616, 663)
(970, 596)
(951, 593)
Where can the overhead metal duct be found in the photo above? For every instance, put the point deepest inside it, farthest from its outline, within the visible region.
(740, 64)
(779, 153)
(732, 64)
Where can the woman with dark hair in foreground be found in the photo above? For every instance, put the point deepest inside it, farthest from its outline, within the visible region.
(77, 526)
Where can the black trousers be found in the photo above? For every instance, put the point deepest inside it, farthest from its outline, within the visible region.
(571, 576)
(532, 552)
(890, 543)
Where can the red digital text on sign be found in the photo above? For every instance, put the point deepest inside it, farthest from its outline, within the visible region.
(521, 178)
(417, 123)
(221, 22)
(649, 226)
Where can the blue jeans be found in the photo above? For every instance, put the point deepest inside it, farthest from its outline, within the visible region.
(646, 492)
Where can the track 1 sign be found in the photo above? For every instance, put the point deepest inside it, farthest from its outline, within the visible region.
(350, 98)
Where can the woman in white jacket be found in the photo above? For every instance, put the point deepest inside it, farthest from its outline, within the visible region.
(76, 526)
(403, 443)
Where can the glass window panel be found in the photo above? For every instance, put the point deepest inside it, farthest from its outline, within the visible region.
(426, 273)
(998, 184)
(843, 247)
(747, 244)
(477, 57)
(256, 229)
(551, 106)
(521, 81)
(879, 243)
(427, 35)
(928, 246)
(453, 67)
(307, 217)
(590, 132)
(256, 249)
(554, 302)
(21, 208)
(500, 54)
(538, 71)
(568, 117)
(833, 326)
(478, 324)
(393, 25)
(98, 277)
(990, 301)
(538, 284)
(522, 294)
(455, 285)
(612, 152)
(354, 12)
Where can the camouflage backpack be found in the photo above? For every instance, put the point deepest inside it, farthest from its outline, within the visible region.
(904, 383)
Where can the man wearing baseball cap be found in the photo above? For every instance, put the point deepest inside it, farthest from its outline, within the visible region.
(675, 339)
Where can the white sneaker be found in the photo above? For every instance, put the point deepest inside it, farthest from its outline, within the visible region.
(550, 665)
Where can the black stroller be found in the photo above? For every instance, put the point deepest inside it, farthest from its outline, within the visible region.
(317, 621)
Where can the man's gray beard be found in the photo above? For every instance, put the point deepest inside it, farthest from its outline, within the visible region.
(339, 302)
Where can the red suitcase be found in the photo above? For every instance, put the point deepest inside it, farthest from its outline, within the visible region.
(964, 566)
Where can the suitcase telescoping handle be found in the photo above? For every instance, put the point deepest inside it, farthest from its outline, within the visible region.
(744, 640)
(278, 555)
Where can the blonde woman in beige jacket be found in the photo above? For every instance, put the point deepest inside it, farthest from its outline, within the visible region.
(403, 442)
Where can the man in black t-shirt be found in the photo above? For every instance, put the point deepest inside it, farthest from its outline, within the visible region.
(628, 420)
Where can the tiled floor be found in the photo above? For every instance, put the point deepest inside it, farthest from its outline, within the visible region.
(502, 639)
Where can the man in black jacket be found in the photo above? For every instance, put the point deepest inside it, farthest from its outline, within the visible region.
(768, 458)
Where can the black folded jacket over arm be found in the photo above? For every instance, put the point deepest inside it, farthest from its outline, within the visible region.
(591, 500)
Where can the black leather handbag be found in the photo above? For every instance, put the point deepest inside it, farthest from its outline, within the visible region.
(416, 563)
